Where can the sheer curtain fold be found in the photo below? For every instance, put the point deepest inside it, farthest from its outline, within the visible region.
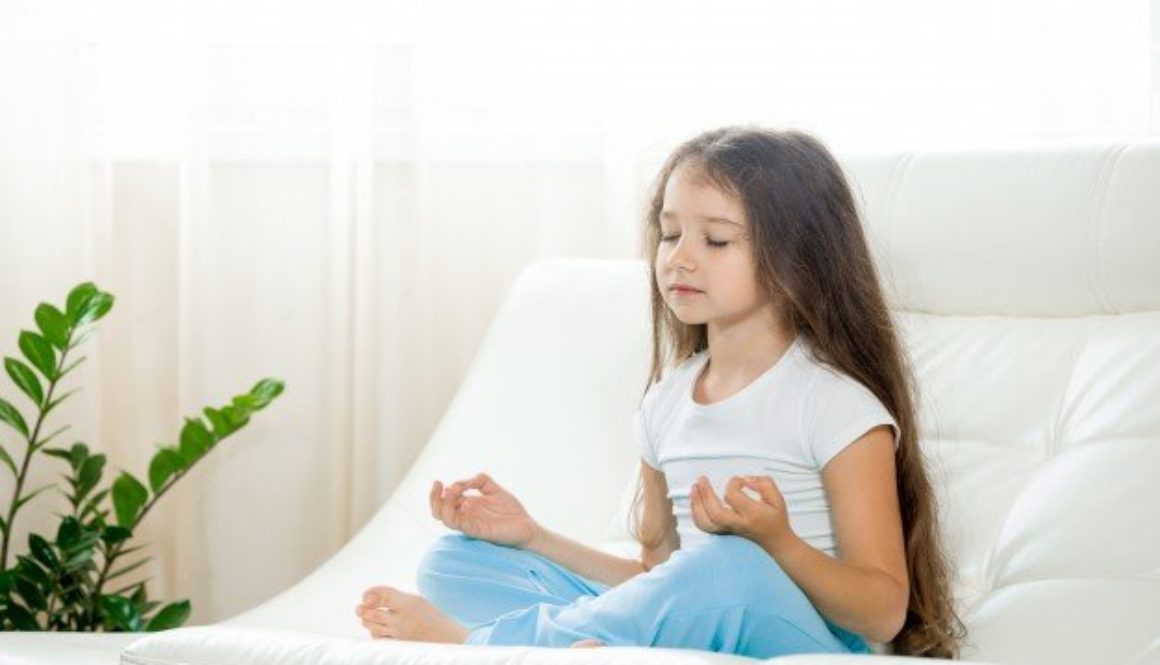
(340, 194)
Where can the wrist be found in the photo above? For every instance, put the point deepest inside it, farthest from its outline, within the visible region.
(781, 544)
(536, 542)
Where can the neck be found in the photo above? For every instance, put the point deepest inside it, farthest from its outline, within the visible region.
(742, 349)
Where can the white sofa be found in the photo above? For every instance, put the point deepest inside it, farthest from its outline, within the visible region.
(1026, 282)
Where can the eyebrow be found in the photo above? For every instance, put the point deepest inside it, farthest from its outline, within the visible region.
(668, 214)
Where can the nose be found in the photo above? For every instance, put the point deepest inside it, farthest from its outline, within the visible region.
(680, 256)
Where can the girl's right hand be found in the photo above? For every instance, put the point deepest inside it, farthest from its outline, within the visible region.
(494, 515)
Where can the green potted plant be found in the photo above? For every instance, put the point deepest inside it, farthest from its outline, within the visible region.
(65, 582)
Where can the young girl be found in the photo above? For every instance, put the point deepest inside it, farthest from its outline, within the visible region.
(776, 446)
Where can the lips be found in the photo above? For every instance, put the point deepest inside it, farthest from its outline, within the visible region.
(684, 289)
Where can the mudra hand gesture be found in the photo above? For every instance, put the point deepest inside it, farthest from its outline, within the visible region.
(494, 515)
(764, 521)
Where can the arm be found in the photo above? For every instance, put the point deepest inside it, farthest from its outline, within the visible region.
(582, 559)
(609, 569)
(866, 591)
(862, 600)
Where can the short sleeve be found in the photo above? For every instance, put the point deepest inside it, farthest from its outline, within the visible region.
(647, 451)
(838, 411)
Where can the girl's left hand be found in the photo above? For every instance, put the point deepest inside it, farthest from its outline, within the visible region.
(765, 522)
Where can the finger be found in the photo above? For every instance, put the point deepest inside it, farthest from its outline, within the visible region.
(717, 511)
(475, 482)
(447, 512)
(735, 498)
(433, 498)
(696, 506)
(459, 487)
(485, 484)
(767, 489)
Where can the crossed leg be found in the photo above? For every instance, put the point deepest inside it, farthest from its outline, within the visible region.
(723, 594)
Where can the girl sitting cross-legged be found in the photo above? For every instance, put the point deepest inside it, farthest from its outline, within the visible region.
(783, 505)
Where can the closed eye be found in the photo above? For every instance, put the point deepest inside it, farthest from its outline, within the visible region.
(710, 241)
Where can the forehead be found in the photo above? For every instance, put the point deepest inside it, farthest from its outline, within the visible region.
(707, 219)
(690, 196)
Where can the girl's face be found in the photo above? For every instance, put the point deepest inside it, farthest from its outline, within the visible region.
(705, 245)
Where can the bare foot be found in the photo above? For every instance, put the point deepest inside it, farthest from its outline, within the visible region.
(389, 613)
(588, 643)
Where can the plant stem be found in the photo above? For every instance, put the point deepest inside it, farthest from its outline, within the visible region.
(28, 458)
(116, 549)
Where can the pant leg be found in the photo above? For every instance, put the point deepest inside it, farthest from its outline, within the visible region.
(474, 581)
(723, 594)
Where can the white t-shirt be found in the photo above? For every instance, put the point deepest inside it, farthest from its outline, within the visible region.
(787, 424)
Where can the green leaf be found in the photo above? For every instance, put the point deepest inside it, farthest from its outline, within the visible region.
(92, 504)
(171, 616)
(39, 352)
(78, 341)
(8, 461)
(52, 405)
(221, 426)
(22, 618)
(116, 534)
(261, 394)
(237, 417)
(160, 470)
(28, 568)
(89, 474)
(86, 542)
(176, 459)
(129, 568)
(31, 593)
(129, 550)
(40, 444)
(28, 497)
(68, 534)
(53, 324)
(71, 365)
(62, 453)
(268, 389)
(97, 307)
(138, 596)
(78, 560)
(10, 415)
(80, 452)
(78, 300)
(195, 437)
(128, 497)
(121, 613)
(25, 379)
(248, 402)
(42, 550)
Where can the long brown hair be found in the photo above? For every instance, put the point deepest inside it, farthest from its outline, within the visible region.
(811, 257)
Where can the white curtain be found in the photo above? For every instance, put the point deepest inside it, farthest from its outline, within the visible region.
(338, 194)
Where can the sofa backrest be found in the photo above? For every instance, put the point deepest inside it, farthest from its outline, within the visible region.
(1026, 284)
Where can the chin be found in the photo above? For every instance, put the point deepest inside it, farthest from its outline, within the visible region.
(688, 318)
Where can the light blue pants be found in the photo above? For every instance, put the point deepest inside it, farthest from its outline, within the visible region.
(722, 594)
